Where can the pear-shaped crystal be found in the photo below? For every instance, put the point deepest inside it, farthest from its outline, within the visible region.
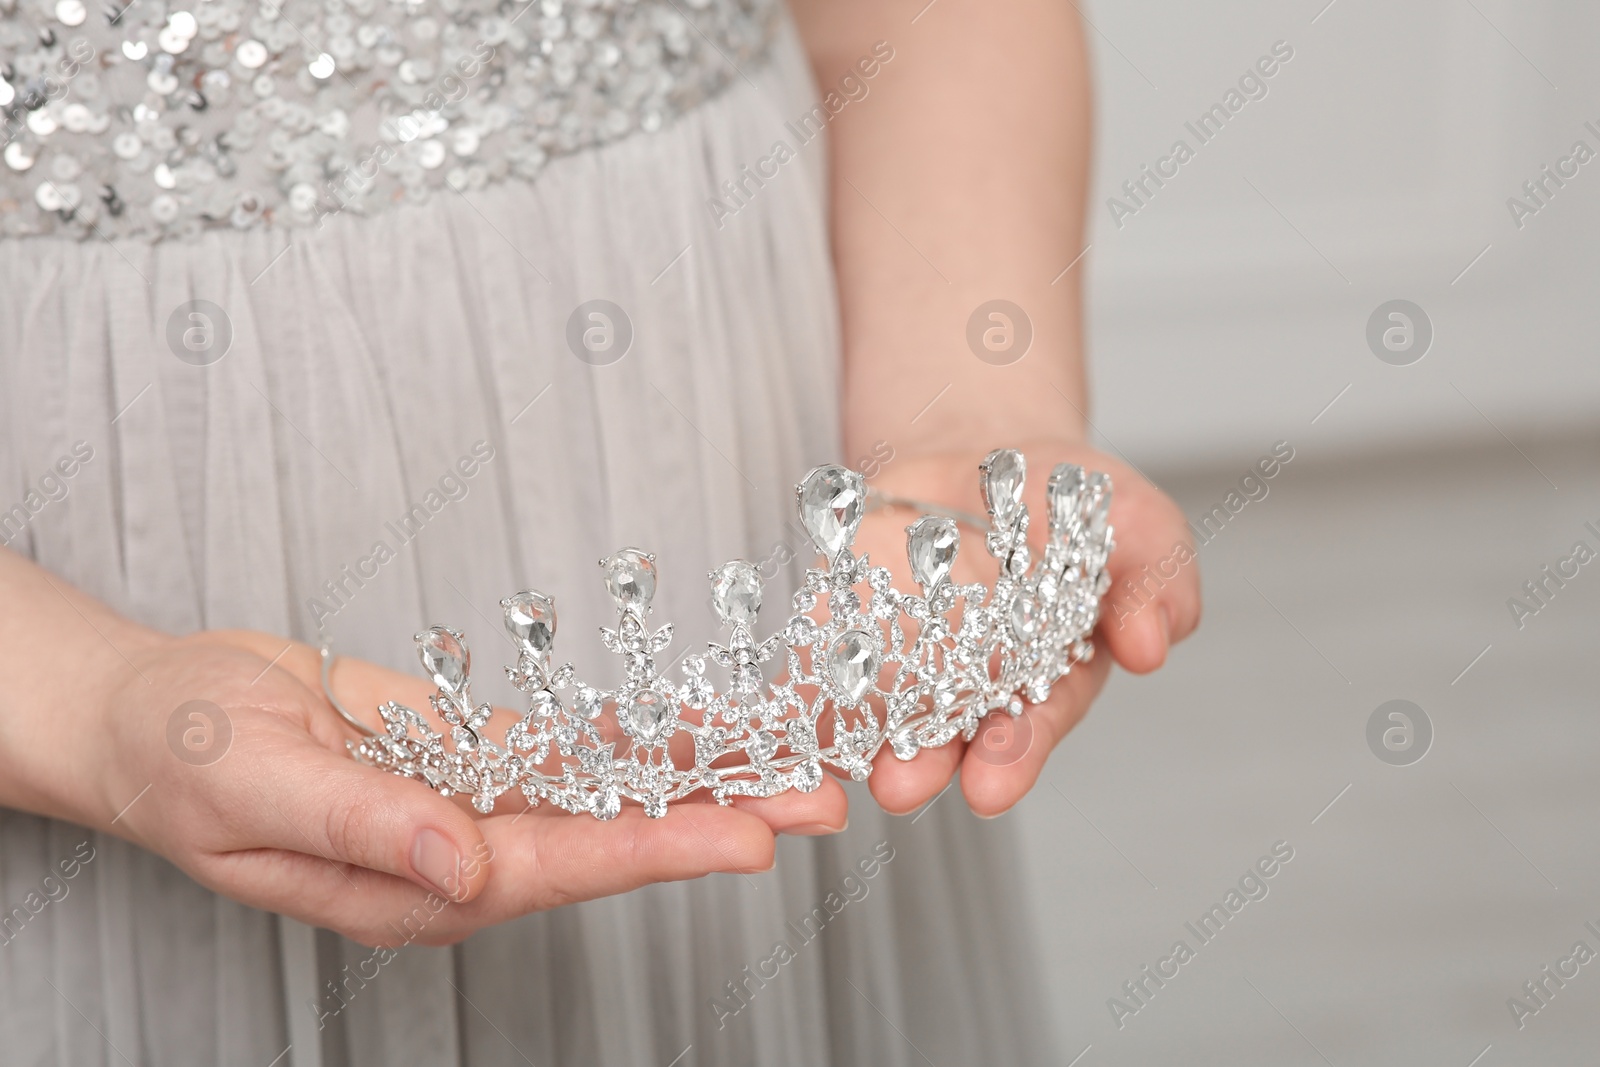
(853, 664)
(832, 500)
(1095, 505)
(444, 657)
(1065, 490)
(531, 619)
(736, 592)
(1004, 471)
(648, 711)
(1025, 615)
(631, 578)
(931, 544)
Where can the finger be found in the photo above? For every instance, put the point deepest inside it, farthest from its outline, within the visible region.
(1007, 755)
(308, 799)
(824, 810)
(1154, 599)
(549, 858)
(902, 786)
(543, 859)
(365, 906)
(1139, 639)
(1182, 605)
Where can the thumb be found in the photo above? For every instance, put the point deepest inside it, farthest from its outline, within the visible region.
(345, 812)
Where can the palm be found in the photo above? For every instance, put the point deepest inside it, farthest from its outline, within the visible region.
(1005, 758)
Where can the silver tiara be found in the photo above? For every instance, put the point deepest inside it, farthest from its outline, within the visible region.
(857, 671)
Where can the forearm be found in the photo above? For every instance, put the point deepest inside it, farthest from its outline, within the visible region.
(960, 179)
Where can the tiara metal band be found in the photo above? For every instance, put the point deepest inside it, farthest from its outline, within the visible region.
(877, 667)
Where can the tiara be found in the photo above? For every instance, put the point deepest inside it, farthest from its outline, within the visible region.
(876, 666)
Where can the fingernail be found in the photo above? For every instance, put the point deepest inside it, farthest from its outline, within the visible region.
(815, 829)
(436, 860)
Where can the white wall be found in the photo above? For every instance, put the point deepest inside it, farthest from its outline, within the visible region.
(1391, 141)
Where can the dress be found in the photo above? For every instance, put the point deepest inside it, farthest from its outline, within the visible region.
(353, 349)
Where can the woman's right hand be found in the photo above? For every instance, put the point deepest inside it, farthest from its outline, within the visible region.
(274, 813)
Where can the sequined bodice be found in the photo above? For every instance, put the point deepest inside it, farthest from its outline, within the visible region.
(162, 118)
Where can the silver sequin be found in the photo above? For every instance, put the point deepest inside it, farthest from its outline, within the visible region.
(71, 12)
(19, 156)
(187, 114)
(250, 54)
(77, 118)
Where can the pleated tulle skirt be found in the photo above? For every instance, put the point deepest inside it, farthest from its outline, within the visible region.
(366, 361)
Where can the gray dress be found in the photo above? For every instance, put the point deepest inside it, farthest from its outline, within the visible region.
(238, 462)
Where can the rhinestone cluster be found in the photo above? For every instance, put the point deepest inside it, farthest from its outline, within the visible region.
(162, 118)
(862, 663)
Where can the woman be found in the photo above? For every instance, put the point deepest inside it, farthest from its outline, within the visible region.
(299, 338)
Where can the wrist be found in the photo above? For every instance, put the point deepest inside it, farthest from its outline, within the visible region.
(58, 755)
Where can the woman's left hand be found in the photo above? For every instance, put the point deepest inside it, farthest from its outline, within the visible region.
(1153, 603)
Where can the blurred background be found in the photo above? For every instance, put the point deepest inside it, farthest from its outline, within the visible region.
(1434, 874)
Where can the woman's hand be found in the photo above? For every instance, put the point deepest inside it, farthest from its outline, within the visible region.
(285, 820)
(1005, 758)
(959, 188)
(252, 793)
